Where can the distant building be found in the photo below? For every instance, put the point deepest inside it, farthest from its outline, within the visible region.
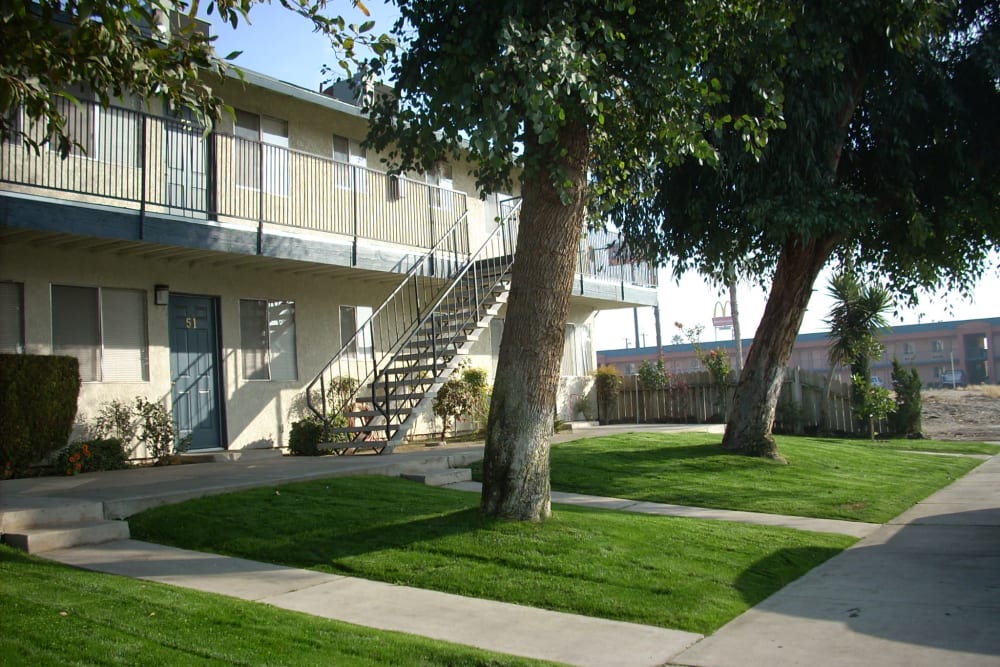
(933, 349)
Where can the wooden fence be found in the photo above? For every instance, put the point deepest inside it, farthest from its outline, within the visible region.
(697, 400)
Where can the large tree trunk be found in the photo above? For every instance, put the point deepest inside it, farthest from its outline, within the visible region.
(516, 460)
(756, 399)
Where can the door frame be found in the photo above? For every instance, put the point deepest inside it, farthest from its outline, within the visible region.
(216, 306)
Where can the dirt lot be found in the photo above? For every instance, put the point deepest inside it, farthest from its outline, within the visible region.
(962, 414)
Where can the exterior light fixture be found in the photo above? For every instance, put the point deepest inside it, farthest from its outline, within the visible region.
(161, 295)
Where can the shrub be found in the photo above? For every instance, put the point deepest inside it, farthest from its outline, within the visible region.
(607, 381)
(463, 395)
(305, 437)
(116, 419)
(38, 396)
(155, 429)
(91, 456)
(905, 420)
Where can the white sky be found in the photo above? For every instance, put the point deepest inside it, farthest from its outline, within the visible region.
(281, 45)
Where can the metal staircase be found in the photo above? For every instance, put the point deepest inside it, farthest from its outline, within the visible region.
(368, 394)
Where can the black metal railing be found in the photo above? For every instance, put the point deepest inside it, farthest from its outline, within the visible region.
(411, 339)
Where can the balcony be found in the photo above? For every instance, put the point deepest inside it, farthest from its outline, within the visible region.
(157, 168)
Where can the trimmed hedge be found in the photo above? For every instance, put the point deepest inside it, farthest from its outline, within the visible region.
(38, 396)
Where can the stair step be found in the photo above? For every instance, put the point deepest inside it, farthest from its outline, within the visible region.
(48, 512)
(440, 477)
(37, 540)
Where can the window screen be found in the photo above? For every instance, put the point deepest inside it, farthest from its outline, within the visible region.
(267, 332)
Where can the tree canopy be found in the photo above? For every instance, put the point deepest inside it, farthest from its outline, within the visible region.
(579, 101)
(889, 157)
(112, 48)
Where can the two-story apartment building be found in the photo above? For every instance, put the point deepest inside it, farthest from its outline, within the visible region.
(933, 349)
(221, 273)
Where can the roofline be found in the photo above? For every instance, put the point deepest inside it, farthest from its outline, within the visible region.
(801, 338)
(291, 90)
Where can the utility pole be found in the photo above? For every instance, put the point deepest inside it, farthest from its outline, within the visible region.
(659, 334)
(734, 311)
(635, 317)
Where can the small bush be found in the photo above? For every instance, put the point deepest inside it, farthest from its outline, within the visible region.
(38, 396)
(91, 456)
(607, 381)
(905, 420)
(305, 437)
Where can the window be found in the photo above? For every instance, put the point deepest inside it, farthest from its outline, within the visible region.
(11, 318)
(351, 162)
(267, 336)
(937, 345)
(907, 348)
(262, 153)
(106, 134)
(351, 318)
(105, 329)
(440, 180)
(12, 126)
(577, 353)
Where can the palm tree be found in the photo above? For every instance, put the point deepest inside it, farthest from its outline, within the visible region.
(856, 319)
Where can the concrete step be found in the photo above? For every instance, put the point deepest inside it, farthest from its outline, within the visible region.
(37, 540)
(49, 512)
(441, 477)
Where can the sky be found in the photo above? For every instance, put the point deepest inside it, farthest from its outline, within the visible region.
(280, 44)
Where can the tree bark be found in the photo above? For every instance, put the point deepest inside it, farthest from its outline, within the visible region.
(756, 398)
(516, 459)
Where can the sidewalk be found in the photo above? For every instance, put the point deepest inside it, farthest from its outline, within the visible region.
(921, 590)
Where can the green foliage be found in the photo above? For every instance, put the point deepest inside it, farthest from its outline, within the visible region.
(155, 430)
(108, 48)
(607, 383)
(716, 361)
(856, 319)
(884, 152)
(643, 78)
(305, 437)
(116, 419)
(905, 419)
(38, 396)
(653, 375)
(871, 404)
(91, 456)
(463, 395)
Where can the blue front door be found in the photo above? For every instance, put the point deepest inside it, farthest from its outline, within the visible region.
(194, 370)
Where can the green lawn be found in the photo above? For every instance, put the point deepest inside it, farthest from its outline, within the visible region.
(670, 572)
(56, 615)
(838, 479)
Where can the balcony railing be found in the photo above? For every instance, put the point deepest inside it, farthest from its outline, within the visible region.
(600, 257)
(159, 165)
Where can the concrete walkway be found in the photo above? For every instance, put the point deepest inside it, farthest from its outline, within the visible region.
(921, 590)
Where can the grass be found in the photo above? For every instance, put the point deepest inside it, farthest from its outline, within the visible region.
(838, 479)
(675, 573)
(56, 615)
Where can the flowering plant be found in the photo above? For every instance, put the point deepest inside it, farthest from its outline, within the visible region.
(74, 458)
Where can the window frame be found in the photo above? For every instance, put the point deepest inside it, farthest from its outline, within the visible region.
(270, 161)
(104, 323)
(16, 330)
(271, 342)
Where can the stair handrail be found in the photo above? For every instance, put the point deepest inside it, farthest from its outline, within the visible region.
(390, 351)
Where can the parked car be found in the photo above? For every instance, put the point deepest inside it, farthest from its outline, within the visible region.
(952, 379)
